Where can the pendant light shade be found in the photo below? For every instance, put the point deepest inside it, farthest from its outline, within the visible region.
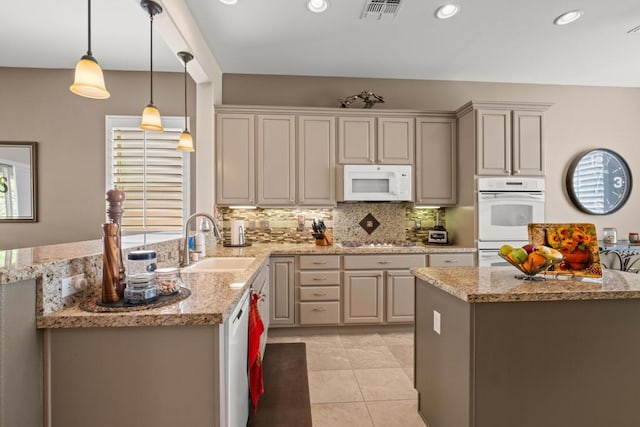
(186, 141)
(89, 80)
(151, 116)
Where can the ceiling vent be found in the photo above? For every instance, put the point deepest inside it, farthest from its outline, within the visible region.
(634, 30)
(379, 9)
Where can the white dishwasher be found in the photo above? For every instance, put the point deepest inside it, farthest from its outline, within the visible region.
(237, 334)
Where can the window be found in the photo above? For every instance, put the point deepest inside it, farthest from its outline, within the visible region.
(150, 170)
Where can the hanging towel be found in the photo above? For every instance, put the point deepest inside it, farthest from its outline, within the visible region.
(256, 328)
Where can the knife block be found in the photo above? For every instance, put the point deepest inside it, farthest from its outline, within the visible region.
(324, 238)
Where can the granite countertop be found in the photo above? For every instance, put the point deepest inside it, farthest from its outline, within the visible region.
(212, 298)
(498, 284)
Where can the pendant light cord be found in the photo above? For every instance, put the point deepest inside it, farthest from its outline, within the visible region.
(185, 96)
(151, 56)
(89, 35)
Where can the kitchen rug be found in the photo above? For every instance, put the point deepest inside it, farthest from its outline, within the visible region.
(285, 402)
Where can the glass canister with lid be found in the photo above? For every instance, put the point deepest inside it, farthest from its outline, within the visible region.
(168, 280)
(141, 281)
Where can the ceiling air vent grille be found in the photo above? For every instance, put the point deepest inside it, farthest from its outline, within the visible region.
(378, 9)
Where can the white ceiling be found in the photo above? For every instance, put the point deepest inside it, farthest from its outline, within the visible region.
(489, 40)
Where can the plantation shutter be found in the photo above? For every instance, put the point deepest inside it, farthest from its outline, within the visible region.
(152, 173)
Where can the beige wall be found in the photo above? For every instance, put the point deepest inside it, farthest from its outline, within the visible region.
(581, 118)
(36, 105)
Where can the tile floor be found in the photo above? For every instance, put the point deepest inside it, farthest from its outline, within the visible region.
(358, 378)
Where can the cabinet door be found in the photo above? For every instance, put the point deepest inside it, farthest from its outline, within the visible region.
(400, 296)
(316, 161)
(356, 140)
(235, 159)
(281, 292)
(436, 161)
(528, 144)
(396, 140)
(493, 133)
(276, 160)
(363, 297)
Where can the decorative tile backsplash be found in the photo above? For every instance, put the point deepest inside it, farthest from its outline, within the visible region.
(397, 222)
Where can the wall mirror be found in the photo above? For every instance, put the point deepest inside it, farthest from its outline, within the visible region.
(599, 181)
(18, 182)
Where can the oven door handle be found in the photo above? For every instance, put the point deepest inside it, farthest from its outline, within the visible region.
(522, 196)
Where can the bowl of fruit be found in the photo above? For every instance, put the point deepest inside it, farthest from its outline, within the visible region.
(530, 259)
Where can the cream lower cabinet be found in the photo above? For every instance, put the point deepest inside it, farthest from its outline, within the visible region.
(319, 290)
(379, 288)
(452, 260)
(281, 292)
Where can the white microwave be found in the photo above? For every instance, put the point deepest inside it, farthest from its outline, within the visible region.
(371, 183)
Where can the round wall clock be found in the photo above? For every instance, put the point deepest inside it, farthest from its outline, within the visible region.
(599, 181)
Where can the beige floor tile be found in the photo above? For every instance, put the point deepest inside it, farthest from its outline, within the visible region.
(404, 354)
(397, 338)
(353, 414)
(333, 387)
(332, 340)
(321, 357)
(372, 357)
(361, 340)
(395, 414)
(409, 371)
(278, 339)
(385, 384)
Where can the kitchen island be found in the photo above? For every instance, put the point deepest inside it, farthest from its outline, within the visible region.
(509, 352)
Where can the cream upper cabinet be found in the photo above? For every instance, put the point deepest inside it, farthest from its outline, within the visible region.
(316, 160)
(396, 140)
(436, 161)
(235, 175)
(510, 140)
(356, 140)
(276, 161)
(369, 140)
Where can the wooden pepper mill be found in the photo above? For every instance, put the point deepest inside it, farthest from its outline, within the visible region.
(115, 199)
(110, 279)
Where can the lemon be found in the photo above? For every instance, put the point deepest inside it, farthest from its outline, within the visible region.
(505, 250)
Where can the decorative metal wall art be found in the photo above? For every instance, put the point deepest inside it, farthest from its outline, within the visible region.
(369, 99)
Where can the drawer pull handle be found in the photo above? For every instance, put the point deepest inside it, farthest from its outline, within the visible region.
(319, 309)
(450, 260)
(320, 262)
(320, 278)
(384, 262)
(319, 294)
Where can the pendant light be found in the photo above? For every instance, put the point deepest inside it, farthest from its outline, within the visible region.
(88, 80)
(186, 141)
(151, 115)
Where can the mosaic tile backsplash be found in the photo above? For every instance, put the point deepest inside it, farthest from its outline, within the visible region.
(397, 222)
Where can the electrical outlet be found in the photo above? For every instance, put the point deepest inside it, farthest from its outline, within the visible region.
(74, 284)
(436, 322)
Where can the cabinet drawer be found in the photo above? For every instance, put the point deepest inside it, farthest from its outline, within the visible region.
(320, 293)
(317, 262)
(319, 313)
(451, 260)
(363, 262)
(319, 278)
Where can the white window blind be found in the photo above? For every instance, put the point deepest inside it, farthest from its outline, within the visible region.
(151, 171)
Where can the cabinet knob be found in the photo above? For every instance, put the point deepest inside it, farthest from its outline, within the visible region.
(516, 172)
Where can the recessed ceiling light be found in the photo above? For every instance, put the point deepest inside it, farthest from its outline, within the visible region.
(446, 11)
(317, 6)
(568, 17)
(229, 1)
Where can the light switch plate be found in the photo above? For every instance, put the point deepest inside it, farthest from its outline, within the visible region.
(436, 322)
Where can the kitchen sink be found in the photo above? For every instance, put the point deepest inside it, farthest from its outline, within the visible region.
(221, 264)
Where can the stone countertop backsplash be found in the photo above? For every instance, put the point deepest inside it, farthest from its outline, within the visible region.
(499, 284)
(211, 300)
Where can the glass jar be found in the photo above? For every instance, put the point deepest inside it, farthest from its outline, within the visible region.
(141, 267)
(140, 294)
(609, 236)
(168, 280)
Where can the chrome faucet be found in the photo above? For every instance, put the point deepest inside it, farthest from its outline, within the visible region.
(187, 225)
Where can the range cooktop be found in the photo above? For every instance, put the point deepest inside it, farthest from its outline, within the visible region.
(377, 244)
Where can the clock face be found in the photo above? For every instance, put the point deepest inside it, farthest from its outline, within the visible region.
(599, 181)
